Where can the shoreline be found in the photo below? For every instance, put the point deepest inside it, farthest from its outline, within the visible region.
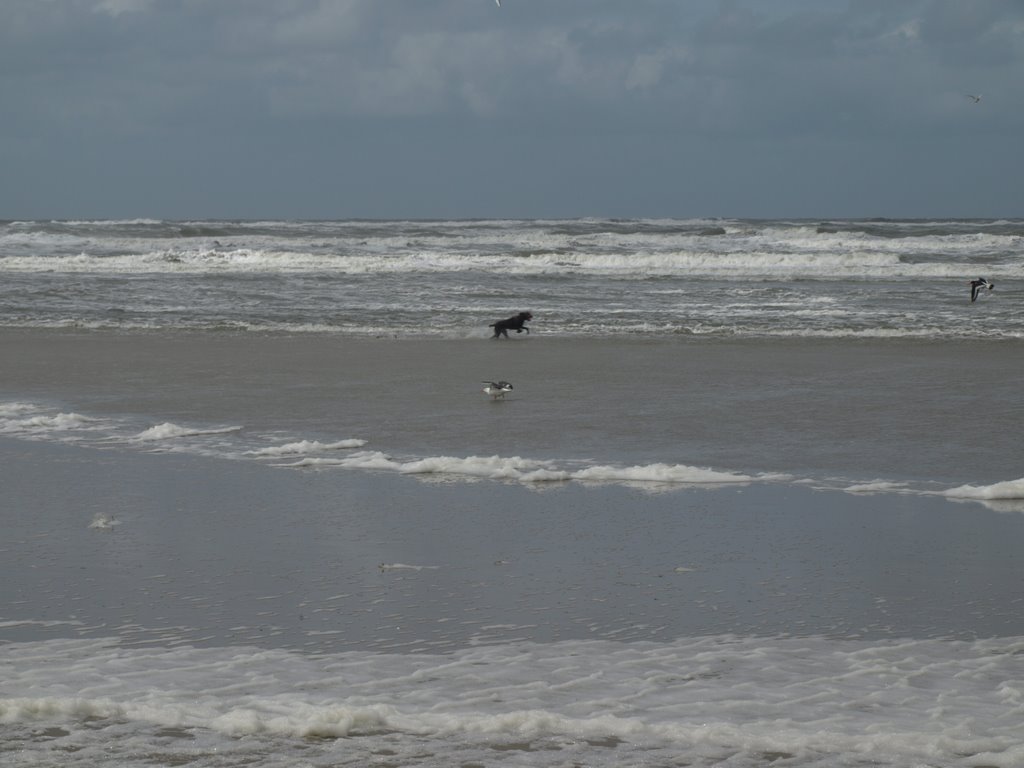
(891, 411)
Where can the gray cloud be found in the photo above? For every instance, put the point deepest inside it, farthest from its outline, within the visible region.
(591, 106)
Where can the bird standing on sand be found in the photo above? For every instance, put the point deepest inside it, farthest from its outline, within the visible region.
(497, 389)
(977, 285)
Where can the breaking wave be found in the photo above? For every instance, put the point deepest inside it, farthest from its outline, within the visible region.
(741, 701)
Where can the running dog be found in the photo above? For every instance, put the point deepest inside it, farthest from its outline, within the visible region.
(502, 327)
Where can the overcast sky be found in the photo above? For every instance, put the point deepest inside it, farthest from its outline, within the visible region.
(539, 108)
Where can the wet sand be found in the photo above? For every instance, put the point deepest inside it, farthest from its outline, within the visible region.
(948, 412)
(169, 549)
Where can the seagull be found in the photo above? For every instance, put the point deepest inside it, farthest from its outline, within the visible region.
(497, 389)
(498, 2)
(974, 98)
(977, 285)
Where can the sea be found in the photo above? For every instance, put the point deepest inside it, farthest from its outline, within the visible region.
(756, 497)
(592, 277)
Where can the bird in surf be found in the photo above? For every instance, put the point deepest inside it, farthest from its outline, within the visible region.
(497, 389)
(977, 285)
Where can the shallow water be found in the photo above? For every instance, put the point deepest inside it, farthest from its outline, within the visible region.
(923, 416)
(180, 550)
(162, 609)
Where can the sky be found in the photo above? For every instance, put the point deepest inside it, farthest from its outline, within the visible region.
(333, 109)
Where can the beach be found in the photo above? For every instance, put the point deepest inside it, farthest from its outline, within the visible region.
(169, 556)
(733, 546)
(863, 410)
(754, 498)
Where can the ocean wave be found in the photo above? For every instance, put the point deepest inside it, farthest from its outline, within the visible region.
(599, 247)
(28, 420)
(170, 431)
(747, 700)
(305, 446)
(1008, 490)
(581, 278)
(33, 421)
(533, 471)
(876, 486)
(816, 264)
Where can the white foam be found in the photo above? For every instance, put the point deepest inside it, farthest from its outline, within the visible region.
(775, 252)
(876, 486)
(714, 265)
(18, 419)
(741, 701)
(1008, 490)
(8, 410)
(169, 431)
(33, 421)
(519, 469)
(60, 421)
(306, 446)
(42, 422)
(660, 473)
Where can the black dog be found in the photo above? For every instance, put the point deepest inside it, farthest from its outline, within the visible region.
(502, 327)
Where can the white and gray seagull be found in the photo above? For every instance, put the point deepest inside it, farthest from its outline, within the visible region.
(974, 97)
(497, 389)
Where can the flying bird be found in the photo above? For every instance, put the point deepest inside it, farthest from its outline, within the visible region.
(977, 285)
(498, 2)
(974, 98)
(497, 389)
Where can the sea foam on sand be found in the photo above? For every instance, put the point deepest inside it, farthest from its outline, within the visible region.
(529, 470)
(167, 430)
(305, 446)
